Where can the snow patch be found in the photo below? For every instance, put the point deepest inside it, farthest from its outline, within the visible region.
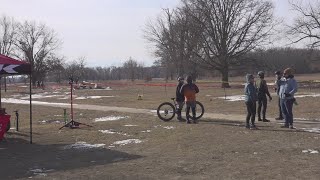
(83, 146)
(130, 125)
(311, 151)
(110, 118)
(125, 142)
(92, 97)
(312, 130)
(111, 131)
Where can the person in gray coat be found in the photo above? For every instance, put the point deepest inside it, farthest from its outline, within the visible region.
(288, 87)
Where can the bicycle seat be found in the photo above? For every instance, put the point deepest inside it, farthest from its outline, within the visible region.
(173, 99)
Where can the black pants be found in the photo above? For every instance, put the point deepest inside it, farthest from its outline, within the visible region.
(251, 112)
(262, 104)
(279, 105)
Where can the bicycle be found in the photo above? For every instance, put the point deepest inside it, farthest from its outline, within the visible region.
(166, 111)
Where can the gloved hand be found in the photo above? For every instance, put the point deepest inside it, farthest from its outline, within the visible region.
(287, 94)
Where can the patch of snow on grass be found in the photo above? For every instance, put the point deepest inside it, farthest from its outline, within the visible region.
(83, 146)
(20, 101)
(127, 141)
(111, 131)
(110, 118)
(130, 125)
(312, 130)
(233, 98)
(147, 131)
(92, 97)
(311, 151)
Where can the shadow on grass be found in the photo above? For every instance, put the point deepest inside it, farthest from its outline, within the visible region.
(19, 159)
(272, 127)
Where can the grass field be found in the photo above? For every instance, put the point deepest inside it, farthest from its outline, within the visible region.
(131, 145)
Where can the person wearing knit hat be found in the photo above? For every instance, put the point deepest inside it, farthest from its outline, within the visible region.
(250, 101)
(288, 87)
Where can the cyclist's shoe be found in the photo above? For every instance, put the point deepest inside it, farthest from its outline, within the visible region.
(285, 126)
(188, 122)
(265, 120)
(180, 118)
(253, 127)
(292, 127)
(248, 126)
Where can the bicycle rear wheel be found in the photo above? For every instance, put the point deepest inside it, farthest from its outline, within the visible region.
(199, 110)
(166, 111)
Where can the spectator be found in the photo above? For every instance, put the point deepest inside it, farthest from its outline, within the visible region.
(250, 101)
(263, 92)
(288, 87)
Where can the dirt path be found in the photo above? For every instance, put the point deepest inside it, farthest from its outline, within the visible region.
(232, 117)
(229, 117)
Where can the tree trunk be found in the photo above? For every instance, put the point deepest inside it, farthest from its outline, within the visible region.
(225, 78)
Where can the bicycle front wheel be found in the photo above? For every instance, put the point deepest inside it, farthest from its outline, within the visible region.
(166, 111)
(199, 110)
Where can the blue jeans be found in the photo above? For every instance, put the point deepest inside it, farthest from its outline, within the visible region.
(286, 108)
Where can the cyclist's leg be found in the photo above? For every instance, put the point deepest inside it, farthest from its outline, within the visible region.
(188, 111)
(179, 109)
(193, 109)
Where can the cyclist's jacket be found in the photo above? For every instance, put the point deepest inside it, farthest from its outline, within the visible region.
(189, 91)
(262, 88)
(179, 96)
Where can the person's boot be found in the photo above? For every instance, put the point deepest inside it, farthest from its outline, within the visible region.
(279, 118)
(259, 118)
(188, 119)
(265, 120)
(285, 126)
(292, 127)
(179, 115)
(247, 125)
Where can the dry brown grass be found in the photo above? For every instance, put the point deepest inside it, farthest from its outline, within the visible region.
(212, 149)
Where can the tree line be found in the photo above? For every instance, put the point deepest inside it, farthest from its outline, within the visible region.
(202, 38)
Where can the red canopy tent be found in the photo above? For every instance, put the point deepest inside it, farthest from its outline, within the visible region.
(10, 66)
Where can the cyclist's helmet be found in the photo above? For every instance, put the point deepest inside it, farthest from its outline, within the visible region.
(261, 74)
(180, 78)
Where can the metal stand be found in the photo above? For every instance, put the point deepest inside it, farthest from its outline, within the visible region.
(73, 124)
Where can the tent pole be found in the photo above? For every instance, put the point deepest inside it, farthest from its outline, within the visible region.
(30, 107)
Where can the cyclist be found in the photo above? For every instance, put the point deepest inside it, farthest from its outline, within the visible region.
(263, 92)
(179, 98)
(189, 91)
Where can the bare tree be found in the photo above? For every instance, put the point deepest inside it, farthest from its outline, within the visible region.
(230, 29)
(76, 69)
(131, 69)
(36, 44)
(307, 24)
(175, 37)
(7, 35)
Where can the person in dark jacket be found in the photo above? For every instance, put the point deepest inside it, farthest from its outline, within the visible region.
(250, 101)
(288, 87)
(189, 91)
(179, 98)
(263, 92)
(277, 89)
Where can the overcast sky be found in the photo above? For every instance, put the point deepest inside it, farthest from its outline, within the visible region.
(106, 32)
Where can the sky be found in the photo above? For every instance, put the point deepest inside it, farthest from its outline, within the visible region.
(105, 32)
